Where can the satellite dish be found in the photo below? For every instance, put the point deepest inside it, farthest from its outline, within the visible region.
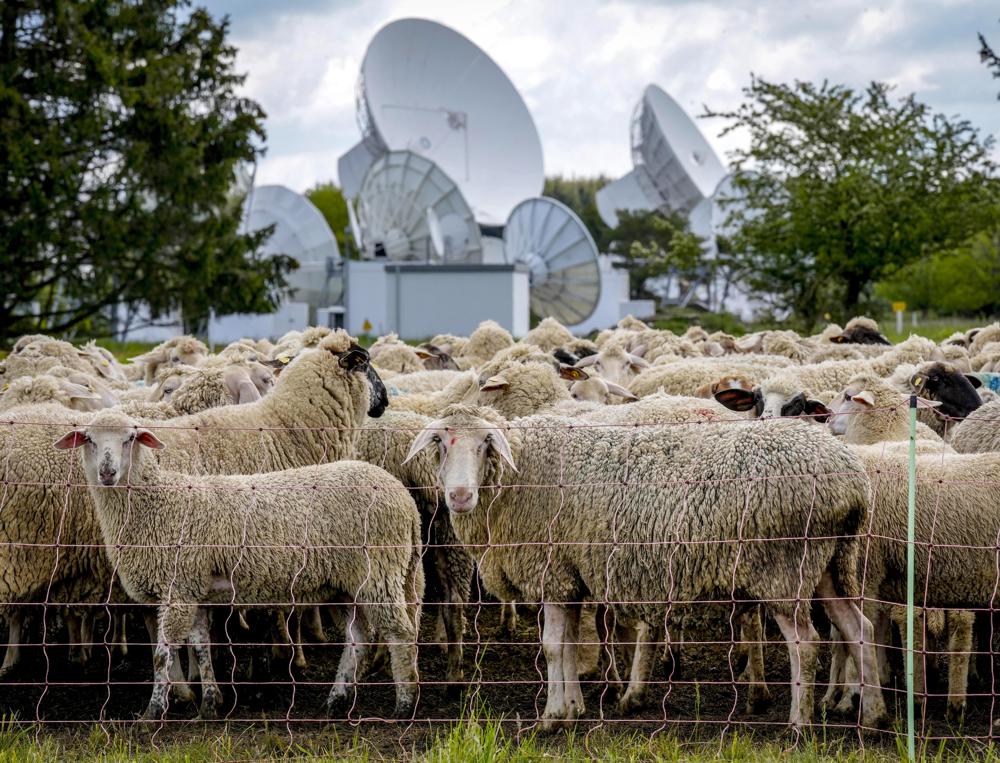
(301, 232)
(352, 221)
(553, 242)
(427, 89)
(351, 169)
(434, 227)
(666, 142)
(633, 192)
(400, 192)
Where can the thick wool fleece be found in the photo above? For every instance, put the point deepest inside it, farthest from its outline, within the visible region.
(980, 431)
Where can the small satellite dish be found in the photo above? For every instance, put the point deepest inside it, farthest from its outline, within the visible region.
(352, 221)
(351, 169)
(434, 227)
(553, 242)
(666, 141)
(401, 191)
(301, 232)
(633, 192)
(427, 89)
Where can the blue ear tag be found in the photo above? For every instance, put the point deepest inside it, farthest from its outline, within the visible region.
(990, 381)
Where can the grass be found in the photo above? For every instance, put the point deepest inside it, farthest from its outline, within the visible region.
(479, 739)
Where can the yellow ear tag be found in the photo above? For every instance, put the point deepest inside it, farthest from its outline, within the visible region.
(105, 363)
(5, 388)
(918, 381)
(284, 359)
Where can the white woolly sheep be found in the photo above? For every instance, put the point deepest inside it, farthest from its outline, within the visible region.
(979, 432)
(548, 335)
(584, 532)
(245, 541)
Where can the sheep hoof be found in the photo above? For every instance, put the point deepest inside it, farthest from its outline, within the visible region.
(183, 692)
(956, 713)
(455, 688)
(337, 706)
(404, 708)
(758, 698)
(210, 703)
(631, 702)
(153, 713)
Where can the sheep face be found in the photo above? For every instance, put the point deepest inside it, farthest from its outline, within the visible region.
(463, 456)
(944, 383)
(109, 445)
(615, 365)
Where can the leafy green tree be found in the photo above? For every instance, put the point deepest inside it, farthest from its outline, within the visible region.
(847, 187)
(120, 129)
(656, 244)
(329, 200)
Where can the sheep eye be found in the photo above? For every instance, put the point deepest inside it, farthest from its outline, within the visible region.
(436, 439)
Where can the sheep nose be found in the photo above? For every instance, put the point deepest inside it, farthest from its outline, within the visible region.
(108, 476)
(460, 495)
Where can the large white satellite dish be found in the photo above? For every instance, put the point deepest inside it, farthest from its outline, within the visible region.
(392, 212)
(352, 167)
(633, 192)
(301, 232)
(355, 226)
(680, 162)
(553, 242)
(425, 88)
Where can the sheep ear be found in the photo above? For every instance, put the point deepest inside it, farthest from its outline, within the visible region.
(424, 354)
(280, 362)
(150, 440)
(841, 339)
(422, 440)
(923, 402)
(499, 443)
(714, 349)
(917, 381)
(571, 373)
(639, 351)
(353, 358)
(70, 440)
(587, 361)
(974, 380)
(616, 389)
(817, 410)
(494, 383)
(637, 361)
(864, 397)
(736, 399)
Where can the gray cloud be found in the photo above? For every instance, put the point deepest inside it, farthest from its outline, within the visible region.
(582, 64)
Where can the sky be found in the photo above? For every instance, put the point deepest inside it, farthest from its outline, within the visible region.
(581, 65)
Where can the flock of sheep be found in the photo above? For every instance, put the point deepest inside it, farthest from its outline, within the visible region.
(621, 484)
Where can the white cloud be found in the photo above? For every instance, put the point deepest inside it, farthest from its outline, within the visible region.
(581, 65)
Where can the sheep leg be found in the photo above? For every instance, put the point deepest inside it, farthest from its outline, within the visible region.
(571, 668)
(87, 622)
(15, 632)
(175, 624)
(859, 636)
(752, 637)
(300, 655)
(637, 694)
(397, 624)
(314, 625)
(883, 637)
(553, 638)
(181, 688)
(508, 618)
(119, 638)
(799, 636)
(959, 650)
(607, 665)
(201, 645)
(838, 669)
(73, 634)
(347, 669)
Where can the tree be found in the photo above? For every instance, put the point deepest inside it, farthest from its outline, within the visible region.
(329, 200)
(120, 130)
(990, 58)
(847, 187)
(655, 244)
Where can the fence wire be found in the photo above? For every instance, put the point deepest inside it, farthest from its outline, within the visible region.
(81, 634)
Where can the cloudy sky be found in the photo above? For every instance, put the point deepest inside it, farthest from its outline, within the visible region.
(582, 64)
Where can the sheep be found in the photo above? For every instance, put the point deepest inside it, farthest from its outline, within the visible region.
(779, 392)
(871, 411)
(389, 353)
(548, 335)
(184, 350)
(46, 388)
(979, 432)
(978, 339)
(552, 545)
(245, 541)
(598, 390)
(487, 340)
(313, 416)
(448, 567)
(435, 358)
(615, 364)
(944, 383)
(686, 377)
(861, 330)
(449, 343)
(423, 382)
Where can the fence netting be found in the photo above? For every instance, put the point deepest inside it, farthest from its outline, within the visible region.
(645, 587)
